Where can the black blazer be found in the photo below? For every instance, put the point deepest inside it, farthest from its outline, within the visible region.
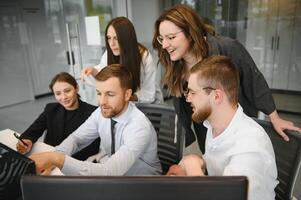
(52, 121)
(254, 92)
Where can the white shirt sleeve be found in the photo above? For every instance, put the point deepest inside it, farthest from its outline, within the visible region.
(103, 61)
(147, 91)
(136, 139)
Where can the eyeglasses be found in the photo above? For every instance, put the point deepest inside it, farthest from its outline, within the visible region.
(192, 92)
(169, 37)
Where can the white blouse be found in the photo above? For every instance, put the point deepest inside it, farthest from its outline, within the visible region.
(149, 91)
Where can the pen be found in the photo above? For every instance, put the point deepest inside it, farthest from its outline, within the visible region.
(18, 137)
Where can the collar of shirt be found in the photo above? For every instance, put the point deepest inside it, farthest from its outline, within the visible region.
(124, 117)
(230, 128)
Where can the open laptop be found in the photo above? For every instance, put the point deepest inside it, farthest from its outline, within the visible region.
(134, 187)
(12, 166)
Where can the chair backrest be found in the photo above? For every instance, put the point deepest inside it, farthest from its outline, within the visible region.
(169, 132)
(288, 157)
(134, 187)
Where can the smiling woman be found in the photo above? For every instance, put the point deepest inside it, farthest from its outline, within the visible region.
(65, 90)
(182, 40)
(60, 119)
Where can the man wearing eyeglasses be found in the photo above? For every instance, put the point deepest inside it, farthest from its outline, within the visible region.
(235, 143)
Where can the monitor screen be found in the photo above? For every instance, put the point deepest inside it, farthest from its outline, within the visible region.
(134, 188)
(12, 166)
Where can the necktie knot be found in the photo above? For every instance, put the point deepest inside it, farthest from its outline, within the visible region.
(113, 122)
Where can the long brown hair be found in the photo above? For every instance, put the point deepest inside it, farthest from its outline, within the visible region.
(195, 31)
(131, 51)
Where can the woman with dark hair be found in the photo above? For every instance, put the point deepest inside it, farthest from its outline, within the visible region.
(182, 39)
(60, 119)
(123, 48)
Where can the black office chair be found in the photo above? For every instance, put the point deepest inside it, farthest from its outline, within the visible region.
(169, 132)
(288, 157)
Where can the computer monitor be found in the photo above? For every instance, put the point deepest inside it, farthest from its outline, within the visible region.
(12, 166)
(134, 188)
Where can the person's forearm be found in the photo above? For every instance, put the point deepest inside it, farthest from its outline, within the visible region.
(68, 146)
(193, 165)
(58, 159)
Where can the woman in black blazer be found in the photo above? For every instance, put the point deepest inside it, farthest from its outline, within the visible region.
(60, 119)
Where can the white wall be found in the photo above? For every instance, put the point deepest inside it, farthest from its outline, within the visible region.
(143, 15)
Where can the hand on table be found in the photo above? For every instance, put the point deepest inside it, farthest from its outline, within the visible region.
(46, 161)
(176, 170)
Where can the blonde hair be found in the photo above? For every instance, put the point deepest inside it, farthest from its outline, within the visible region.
(219, 72)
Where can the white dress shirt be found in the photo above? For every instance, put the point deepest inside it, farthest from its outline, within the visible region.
(135, 144)
(244, 148)
(149, 91)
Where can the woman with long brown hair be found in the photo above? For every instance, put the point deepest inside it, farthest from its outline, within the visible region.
(123, 48)
(182, 39)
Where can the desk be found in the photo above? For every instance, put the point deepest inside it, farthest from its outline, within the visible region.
(7, 137)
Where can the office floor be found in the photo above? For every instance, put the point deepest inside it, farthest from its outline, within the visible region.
(20, 116)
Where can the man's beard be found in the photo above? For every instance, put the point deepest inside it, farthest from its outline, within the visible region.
(201, 115)
(112, 111)
(110, 114)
